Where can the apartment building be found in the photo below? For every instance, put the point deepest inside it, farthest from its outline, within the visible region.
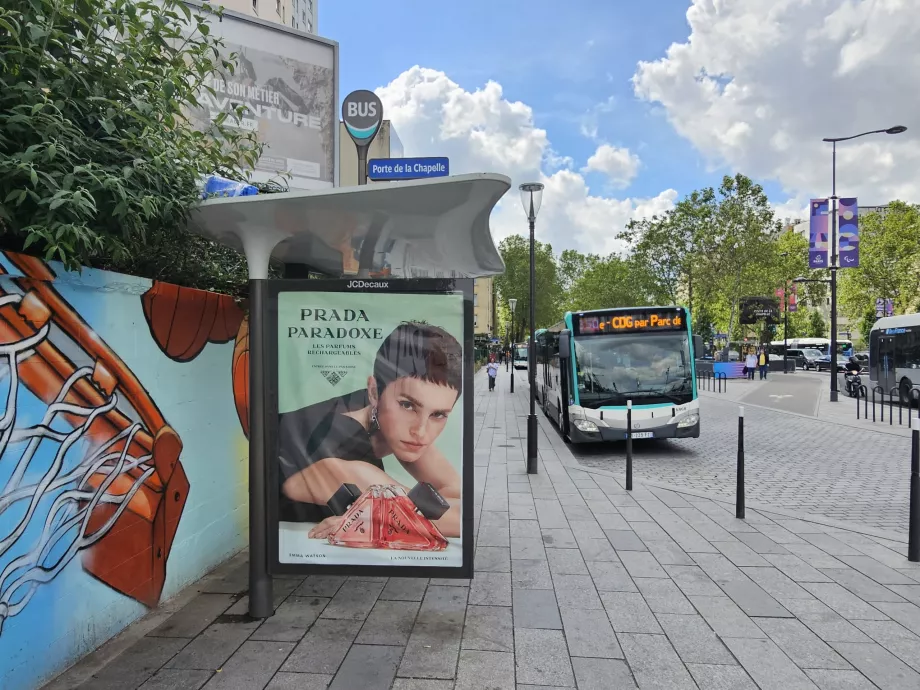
(298, 14)
(483, 307)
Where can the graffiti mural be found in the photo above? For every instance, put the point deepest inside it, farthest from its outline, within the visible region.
(92, 475)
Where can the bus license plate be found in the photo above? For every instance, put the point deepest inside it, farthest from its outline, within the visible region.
(643, 434)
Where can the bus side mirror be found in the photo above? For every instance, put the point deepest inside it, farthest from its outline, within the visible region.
(565, 344)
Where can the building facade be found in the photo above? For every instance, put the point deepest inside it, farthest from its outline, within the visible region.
(297, 14)
(483, 306)
(385, 145)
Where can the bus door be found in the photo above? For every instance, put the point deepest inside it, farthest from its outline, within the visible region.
(885, 364)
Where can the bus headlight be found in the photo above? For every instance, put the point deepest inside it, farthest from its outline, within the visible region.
(585, 425)
(689, 420)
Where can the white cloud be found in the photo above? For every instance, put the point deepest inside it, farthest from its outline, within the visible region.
(758, 84)
(618, 164)
(481, 131)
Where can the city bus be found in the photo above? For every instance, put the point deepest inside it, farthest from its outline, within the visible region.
(894, 354)
(519, 355)
(590, 364)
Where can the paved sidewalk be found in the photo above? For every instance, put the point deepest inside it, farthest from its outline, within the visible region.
(578, 584)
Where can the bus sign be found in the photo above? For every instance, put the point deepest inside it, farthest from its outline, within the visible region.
(625, 322)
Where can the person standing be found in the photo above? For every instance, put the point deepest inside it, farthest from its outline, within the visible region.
(492, 370)
(763, 361)
(750, 364)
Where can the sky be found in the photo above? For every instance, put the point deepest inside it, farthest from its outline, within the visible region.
(622, 108)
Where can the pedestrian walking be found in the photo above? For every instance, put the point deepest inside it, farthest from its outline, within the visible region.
(750, 364)
(763, 361)
(492, 370)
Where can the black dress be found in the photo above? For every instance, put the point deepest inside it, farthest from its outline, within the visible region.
(310, 434)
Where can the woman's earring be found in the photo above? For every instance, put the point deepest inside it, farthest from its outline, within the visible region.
(375, 424)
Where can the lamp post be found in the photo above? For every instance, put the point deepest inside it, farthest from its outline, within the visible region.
(833, 257)
(531, 198)
(513, 304)
(785, 320)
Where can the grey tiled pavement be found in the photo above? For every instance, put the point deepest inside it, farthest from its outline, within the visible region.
(578, 583)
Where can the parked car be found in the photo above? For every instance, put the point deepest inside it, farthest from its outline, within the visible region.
(804, 358)
(823, 363)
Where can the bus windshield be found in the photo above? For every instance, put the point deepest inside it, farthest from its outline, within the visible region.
(647, 368)
(520, 353)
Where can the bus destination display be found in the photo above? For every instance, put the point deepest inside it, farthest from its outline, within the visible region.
(624, 322)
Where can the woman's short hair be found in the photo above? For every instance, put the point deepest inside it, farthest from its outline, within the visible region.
(421, 351)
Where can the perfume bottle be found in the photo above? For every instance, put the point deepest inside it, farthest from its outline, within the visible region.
(357, 528)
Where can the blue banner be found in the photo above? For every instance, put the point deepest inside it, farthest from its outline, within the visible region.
(380, 169)
(818, 234)
(848, 226)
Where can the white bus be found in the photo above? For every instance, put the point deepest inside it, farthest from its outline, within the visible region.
(590, 364)
(894, 354)
(519, 355)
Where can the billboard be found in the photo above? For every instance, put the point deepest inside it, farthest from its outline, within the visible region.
(287, 82)
(371, 430)
(759, 309)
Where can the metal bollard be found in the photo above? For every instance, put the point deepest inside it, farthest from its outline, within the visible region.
(739, 488)
(629, 445)
(857, 404)
(913, 538)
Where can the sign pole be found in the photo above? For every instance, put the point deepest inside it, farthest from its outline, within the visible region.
(362, 113)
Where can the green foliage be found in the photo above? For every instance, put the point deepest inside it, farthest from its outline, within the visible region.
(606, 283)
(817, 326)
(98, 164)
(889, 263)
(515, 283)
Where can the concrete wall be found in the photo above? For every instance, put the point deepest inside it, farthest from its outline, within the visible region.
(123, 462)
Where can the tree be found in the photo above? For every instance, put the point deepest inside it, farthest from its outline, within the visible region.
(98, 164)
(817, 326)
(607, 283)
(515, 283)
(889, 262)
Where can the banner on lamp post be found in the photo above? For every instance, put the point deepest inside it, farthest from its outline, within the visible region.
(818, 234)
(794, 297)
(848, 223)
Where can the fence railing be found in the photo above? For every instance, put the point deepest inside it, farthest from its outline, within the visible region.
(716, 382)
(876, 397)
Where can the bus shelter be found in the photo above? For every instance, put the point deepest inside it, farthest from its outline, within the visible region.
(360, 405)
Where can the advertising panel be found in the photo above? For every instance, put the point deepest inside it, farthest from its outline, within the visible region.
(818, 234)
(371, 433)
(759, 309)
(287, 83)
(848, 214)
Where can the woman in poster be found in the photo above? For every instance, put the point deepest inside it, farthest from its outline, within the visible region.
(332, 448)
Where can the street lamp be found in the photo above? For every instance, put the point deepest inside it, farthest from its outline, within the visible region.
(785, 320)
(898, 129)
(513, 304)
(531, 198)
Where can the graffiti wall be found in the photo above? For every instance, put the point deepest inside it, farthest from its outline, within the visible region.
(123, 461)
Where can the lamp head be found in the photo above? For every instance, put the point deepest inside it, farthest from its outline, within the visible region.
(512, 303)
(897, 129)
(531, 198)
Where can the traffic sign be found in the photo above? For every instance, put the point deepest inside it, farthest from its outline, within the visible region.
(407, 168)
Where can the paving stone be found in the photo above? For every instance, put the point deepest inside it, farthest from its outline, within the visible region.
(559, 538)
(779, 534)
(588, 633)
(909, 592)
(292, 619)
(775, 583)
(320, 586)
(542, 658)
(536, 608)
(825, 623)
(598, 550)
(527, 549)
(418, 684)
(531, 574)
(369, 667)
(493, 529)
(137, 663)
(489, 628)
(641, 564)
(389, 623)
(299, 681)
(831, 545)
(195, 616)
(767, 665)
(663, 596)
(739, 554)
(628, 612)
(843, 602)
(404, 589)
(648, 531)
(860, 585)
(667, 552)
(654, 662)
(724, 616)
(611, 577)
(566, 562)
(895, 638)
(495, 559)
(491, 589)
(526, 529)
(612, 521)
(877, 571)
(753, 600)
(550, 513)
(694, 640)
(839, 680)
(879, 665)
(796, 569)
(435, 640)
(634, 514)
(176, 679)
(478, 670)
(576, 591)
(600, 674)
(813, 556)
(800, 644)
(212, 648)
(625, 540)
(713, 677)
(693, 581)
(761, 543)
(586, 529)
(906, 614)
(354, 600)
(323, 648)
(251, 666)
